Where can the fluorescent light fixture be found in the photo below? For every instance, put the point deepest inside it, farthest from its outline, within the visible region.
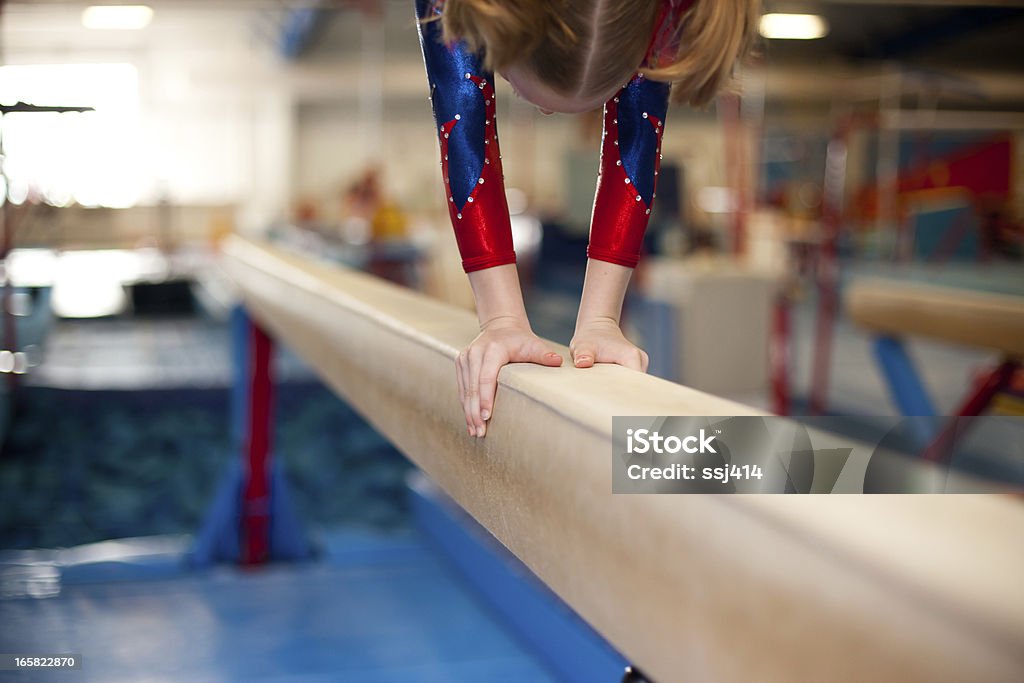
(94, 158)
(793, 26)
(117, 17)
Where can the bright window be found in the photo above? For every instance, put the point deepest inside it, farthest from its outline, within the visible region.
(93, 158)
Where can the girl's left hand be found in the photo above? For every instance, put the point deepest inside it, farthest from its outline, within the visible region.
(601, 341)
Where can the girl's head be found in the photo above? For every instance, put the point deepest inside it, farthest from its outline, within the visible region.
(573, 55)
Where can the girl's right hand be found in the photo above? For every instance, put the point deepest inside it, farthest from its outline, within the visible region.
(500, 342)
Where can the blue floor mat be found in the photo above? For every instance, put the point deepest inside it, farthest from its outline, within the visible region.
(378, 608)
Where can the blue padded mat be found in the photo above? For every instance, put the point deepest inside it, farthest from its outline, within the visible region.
(376, 608)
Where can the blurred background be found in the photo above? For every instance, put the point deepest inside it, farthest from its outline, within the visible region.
(870, 140)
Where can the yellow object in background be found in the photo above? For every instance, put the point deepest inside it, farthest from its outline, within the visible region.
(221, 225)
(1008, 405)
(389, 223)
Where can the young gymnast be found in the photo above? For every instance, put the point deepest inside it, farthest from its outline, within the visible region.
(564, 56)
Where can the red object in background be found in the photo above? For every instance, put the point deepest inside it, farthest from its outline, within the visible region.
(778, 357)
(827, 271)
(730, 113)
(1016, 384)
(985, 170)
(256, 488)
(941, 449)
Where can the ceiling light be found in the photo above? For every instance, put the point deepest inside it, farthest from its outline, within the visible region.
(117, 17)
(793, 26)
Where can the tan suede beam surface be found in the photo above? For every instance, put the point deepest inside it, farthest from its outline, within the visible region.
(689, 587)
(994, 321)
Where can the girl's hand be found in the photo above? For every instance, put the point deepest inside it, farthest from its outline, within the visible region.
(600, 340)
(501, 341)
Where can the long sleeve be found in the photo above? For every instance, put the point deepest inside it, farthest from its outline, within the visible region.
(634, 124)
(462, 97)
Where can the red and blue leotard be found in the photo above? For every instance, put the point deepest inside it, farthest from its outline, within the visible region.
(462, 96)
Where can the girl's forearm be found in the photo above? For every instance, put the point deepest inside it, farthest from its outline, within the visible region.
(498, 295)
(604, 289)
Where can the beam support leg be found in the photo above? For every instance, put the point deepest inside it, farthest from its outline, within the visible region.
(902, 378)
(905, 386)
(941, 449)
(251, 520)
(256, 490)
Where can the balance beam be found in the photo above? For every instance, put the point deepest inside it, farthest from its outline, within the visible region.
(991, 321)
(688, 587)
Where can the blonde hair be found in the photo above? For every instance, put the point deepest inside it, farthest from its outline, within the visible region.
(584, 48)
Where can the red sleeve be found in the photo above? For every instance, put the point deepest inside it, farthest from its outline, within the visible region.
(462, 97)
(634, 125)
(627, 182)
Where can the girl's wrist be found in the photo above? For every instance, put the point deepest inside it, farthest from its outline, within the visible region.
(596, 321)
(598, 309)
(500, 322)
(604, 289)
(499, 299)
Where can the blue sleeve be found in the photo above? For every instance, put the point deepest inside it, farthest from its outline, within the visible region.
(463, 99)
(634, 125)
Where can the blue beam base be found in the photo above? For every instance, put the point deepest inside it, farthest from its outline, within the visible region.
(906, 387)
(218, 538)
(570, 648)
